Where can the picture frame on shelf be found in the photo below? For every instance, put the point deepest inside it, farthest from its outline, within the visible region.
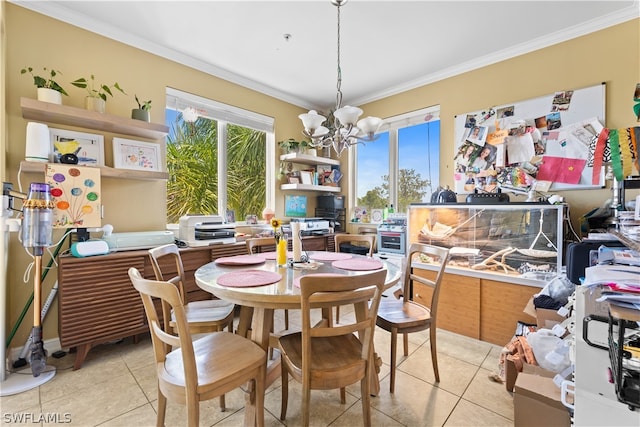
(136, 155)
(306, 177)
(88, 147)
(293, 180)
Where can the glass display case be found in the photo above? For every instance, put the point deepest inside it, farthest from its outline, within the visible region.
(518, 240)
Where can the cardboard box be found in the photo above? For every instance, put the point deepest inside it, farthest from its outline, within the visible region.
(511, 372)
(536, 402)
(545, 318)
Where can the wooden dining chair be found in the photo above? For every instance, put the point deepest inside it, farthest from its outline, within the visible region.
(328, 356)
(202, 316)
(265, 244)
(201, 369)
(369, 241)
(404, 315)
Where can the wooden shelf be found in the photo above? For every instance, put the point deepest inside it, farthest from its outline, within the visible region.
(61, 114)
(307, 159)
(105, 171)
(309, 187)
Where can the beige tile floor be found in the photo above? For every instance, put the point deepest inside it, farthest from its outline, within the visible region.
(116, 387)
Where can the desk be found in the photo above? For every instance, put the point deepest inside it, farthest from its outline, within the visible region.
(281, 295)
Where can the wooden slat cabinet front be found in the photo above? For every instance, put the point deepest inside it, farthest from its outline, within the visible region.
(98, 303)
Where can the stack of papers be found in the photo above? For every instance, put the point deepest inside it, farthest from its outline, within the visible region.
(623, 282)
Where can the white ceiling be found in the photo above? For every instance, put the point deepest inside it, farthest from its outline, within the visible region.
(386, 46)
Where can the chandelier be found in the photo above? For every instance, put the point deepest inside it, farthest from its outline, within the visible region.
(344, 129)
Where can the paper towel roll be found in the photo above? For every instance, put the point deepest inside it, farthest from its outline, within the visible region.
(296, 243)
(38, 142)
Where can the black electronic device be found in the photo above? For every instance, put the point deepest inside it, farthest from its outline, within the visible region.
(487, 198)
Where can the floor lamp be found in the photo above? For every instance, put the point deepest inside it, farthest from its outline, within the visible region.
(36, 235)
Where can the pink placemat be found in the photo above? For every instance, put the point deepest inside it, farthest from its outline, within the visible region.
(272, 255)
(296, 281)
(248, 278)
(329, 256)
(360, 264)
(241, 260)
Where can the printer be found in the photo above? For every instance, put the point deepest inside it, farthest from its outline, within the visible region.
(310, 226)
(205, 230)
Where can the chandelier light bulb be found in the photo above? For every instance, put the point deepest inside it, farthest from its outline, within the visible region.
(190, 115)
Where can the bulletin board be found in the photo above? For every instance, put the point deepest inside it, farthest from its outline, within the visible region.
(544, 143)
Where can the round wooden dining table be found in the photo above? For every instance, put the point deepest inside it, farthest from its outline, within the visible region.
(244, 279)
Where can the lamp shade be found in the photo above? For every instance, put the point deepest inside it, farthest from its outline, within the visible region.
(348, 115)
(38, 142)
(312, 120)
(369, 125)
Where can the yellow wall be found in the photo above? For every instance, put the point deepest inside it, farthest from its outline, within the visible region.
(609, 56)
(130, 205)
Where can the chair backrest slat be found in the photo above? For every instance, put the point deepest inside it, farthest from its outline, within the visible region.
(439, 256)
(364, 291)
(369, 239)
(260, 244)
(162, 336)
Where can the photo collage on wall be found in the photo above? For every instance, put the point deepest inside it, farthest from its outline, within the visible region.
(536, 144)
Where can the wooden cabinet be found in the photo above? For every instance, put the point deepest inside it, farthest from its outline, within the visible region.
(305, 159)
(476, 307)
(98, 304)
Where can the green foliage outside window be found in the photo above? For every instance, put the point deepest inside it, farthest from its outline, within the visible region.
(192, 163)
(411, 188)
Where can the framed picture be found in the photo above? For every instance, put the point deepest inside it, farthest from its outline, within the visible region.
(76, 195)
(306, 177)
(295, 206)
(231, 216)
(293, 180)
(139, 155)
(88, 147)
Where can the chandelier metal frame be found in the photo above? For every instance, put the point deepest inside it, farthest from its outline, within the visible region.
(345, 130)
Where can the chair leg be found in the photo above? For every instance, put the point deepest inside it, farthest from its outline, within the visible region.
(285, 393)
(337, 314)
(366, 400)
(343, 395)
(405, 340)
(259, 395)
(306, 404)
(286, 319)
(223, 406)
(193, 412)
(394, 343)
(162, 409)
(434, 352)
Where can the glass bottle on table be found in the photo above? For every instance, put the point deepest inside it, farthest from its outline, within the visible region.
(281, 249)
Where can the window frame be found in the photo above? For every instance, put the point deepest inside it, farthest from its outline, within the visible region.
(391, 125)
(224, 115)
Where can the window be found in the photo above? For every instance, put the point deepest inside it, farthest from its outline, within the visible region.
(403, 165)
(220, 162)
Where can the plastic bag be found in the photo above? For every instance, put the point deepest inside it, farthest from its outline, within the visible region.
(560, 288)
(552, 353)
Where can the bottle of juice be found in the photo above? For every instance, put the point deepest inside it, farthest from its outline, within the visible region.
(391, 209)
(385, 212)
(281, 251)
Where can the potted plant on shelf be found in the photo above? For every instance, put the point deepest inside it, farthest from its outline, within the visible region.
(97, 94)
(48, 89)
(293, 146)
(142, 112)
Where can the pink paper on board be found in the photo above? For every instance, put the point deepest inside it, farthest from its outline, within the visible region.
(561, 169)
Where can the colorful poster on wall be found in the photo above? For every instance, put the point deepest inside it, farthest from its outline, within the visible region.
(75, 191)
